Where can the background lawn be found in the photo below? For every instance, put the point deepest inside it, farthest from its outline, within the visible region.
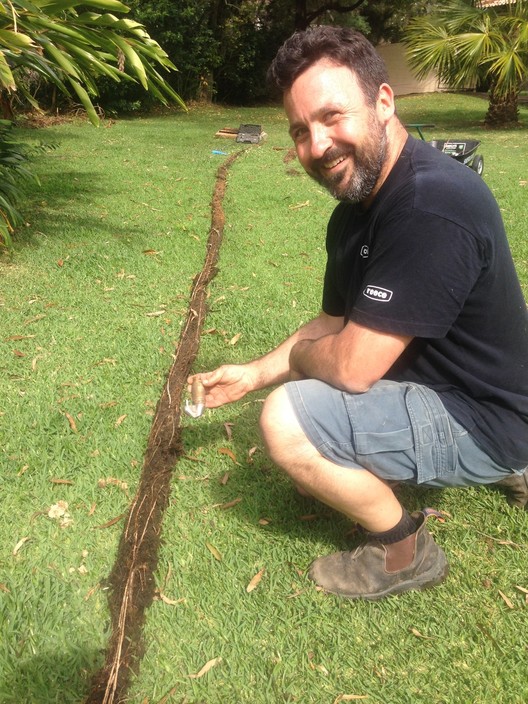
(91, 302)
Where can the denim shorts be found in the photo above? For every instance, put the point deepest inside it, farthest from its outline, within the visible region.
(397, 430)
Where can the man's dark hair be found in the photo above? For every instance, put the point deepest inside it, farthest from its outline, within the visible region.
(342, 46)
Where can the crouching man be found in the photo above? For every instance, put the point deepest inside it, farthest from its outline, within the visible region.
(416, 370)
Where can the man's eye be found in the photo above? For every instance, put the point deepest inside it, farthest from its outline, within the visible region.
(299, 134)
(331, 116)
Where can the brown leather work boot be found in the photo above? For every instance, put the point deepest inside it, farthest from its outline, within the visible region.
(516, 488)
(374, 571)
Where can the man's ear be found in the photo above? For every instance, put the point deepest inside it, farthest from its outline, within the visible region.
(385, 106)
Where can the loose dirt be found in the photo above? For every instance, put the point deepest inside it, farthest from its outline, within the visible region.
(132, 583)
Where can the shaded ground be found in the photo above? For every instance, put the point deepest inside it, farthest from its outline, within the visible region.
(132, 583)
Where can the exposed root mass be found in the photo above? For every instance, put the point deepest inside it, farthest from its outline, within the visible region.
(132, 583)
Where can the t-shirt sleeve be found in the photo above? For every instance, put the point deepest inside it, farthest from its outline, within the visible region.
(419, 275)
(333, 302)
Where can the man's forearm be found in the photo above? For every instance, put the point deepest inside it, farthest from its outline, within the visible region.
(315, 359)
(351, 359)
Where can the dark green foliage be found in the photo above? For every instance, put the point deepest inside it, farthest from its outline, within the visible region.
(223, 49)
(188, 32)
(14, 174)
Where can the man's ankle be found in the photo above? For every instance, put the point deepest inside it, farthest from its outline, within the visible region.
(399, 543)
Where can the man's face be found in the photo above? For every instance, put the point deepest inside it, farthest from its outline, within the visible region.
(340, 140)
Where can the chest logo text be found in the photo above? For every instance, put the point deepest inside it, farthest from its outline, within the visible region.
(376, 293)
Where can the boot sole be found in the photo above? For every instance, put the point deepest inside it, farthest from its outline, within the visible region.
(423, 582)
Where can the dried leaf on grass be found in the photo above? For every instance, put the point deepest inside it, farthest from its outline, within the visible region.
(108, 404)
(350, 698)
(19, 545)
(3, 588)
(524, 591)
(112, 481)
(120, 420)
(90, 592)
(235, 339)
(55, 480)
(296, 593)
(255, 581)
(166, 600)
(205, 669)
(506, 600)
(417, 633)
(228, 428)
(106, 360)
(165, 698)
(229, 453)
(72, 423)
(29, 321)
(214, 552)
(230, 504)
(59, 512)
(111, 522)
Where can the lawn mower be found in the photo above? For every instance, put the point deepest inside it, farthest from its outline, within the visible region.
(463, 150)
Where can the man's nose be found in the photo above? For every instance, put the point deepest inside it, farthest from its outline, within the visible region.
(320, 141)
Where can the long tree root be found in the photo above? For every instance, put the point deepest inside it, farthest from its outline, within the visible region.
(132, 583)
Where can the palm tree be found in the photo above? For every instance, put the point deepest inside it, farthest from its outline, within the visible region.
(467, 44)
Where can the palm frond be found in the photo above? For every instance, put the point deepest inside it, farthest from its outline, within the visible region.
(462, 42)
(71, 49)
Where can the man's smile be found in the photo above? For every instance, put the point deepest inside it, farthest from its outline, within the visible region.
(329, 165)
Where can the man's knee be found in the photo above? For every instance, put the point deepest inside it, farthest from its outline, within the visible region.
(280, 428)
(271, 418)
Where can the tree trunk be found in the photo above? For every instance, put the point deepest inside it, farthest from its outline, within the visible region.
(503, 110)
(301, 22)
(6, 106)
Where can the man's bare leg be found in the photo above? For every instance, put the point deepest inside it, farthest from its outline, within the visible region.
(358, 494)
(404, 555)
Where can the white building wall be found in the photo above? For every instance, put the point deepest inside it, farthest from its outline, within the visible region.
(401, 78)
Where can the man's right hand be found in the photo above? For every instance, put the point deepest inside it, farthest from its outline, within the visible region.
(228, 383)
(231, 382)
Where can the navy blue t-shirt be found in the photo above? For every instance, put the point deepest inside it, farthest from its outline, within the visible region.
(430, 258)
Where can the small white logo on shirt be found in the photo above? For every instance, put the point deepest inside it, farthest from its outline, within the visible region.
(364, 252)
(376, 293)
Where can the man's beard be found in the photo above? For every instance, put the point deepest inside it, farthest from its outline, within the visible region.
(367, 161)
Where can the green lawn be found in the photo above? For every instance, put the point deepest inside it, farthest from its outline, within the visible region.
(92, 298)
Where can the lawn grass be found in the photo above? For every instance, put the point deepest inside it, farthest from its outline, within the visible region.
(91, 302)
